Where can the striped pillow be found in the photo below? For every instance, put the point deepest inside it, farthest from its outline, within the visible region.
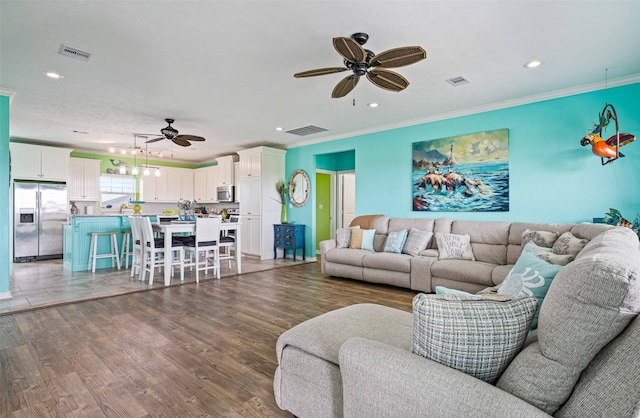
(477, 335)
(343, 237)
(417, 241)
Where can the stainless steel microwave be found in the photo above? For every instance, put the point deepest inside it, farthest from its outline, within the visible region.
(225, 193)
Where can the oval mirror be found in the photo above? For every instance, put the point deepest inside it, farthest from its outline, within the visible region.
(299, 188)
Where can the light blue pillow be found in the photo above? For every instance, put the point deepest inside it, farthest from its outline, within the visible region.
(395, 241)
(367, 239)
(441, 290)
(530, 276)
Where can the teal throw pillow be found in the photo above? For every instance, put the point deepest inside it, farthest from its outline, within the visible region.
(441, 290)
(367, 239)
(530, 276)
(395, 241)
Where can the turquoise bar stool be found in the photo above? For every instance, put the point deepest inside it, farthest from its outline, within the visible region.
(113, 249)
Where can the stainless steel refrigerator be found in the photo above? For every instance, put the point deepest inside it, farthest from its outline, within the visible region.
(39, 212)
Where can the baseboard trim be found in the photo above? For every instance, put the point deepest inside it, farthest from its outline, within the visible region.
(5, 295)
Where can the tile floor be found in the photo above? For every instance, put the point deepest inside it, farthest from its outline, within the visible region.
(47, 283)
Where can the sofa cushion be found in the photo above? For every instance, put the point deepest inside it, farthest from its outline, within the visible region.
(531, 276)
(515, 235)
(395, 241)
(568, 244)
(388, 261)
(346, 256)
(454, 246)
(463, 271)
(417, 241)
(591, 300)
(477, 335)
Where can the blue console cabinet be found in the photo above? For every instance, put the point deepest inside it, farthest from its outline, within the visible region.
(289, 237)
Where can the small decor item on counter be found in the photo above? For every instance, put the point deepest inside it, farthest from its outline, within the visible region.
(137, 209)
(187, 209)
(224, 214)
(281, 188)
(74, 208)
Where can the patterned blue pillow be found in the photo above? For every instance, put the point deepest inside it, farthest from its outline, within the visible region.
(530, 276)
(395, 241)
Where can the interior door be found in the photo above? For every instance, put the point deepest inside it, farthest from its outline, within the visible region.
(347, 204)
(323, 207)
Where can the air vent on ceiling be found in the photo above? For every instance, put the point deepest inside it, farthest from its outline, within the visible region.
(307, 130)
(457, 81)
(75, 53)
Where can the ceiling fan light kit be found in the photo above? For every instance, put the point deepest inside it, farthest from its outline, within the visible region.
(365, 62)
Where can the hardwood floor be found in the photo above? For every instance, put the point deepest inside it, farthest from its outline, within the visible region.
(196, 350)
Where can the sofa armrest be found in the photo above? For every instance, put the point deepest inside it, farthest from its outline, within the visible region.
(325, 246)
(380, 380)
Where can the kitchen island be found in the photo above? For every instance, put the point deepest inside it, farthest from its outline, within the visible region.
(77, 239)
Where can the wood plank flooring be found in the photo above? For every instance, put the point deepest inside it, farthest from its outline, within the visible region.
(196, 350)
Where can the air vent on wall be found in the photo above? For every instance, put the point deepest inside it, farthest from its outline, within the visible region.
(457, 81)
(307, 130)
(75, 53)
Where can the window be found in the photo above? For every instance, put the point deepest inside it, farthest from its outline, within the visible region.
(117, 189)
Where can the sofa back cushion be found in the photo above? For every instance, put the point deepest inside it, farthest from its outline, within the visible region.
(488, 239)
(590, 301)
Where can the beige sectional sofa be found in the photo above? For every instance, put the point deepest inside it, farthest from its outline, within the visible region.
(582, 361)
(496, 247)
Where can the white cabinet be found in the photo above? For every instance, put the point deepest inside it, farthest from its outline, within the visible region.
(251, 235)
(83, 182)
(154, 188)
(251, 163)
(186, 184)
(260, 168)
(236, 177)
(172, 185)
(36, 162)
(205, 180)
(226, 175)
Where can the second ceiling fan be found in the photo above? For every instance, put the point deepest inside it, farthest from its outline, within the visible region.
(171, 133)
(364, 62)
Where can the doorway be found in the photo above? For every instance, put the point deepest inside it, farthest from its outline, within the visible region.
(346, 207)
(324, 198)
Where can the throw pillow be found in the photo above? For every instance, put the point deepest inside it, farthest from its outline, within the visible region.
(530, 276)
(395, 241)
(454, 246)
(343, 237)
(477, 335)
(541, 238)
(547, 255)
(569, 244)
(417, 241)
(362, 239)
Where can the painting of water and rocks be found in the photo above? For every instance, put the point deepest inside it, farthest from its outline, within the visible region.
(466, 173)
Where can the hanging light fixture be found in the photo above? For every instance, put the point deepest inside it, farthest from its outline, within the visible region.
(146, 160)
(134, 170)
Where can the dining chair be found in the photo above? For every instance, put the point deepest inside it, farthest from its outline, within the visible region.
(153, 248)
(228, 242)
(137, 241)
(207, 239)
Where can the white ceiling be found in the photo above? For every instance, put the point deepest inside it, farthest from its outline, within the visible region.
(224, 69)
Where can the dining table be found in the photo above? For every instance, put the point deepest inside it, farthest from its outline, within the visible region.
(177, 227)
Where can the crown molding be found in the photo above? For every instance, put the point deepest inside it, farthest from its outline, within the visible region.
(8, 92)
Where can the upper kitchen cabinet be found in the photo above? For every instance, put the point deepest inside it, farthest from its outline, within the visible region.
(226, 176)
(36, 162)
(84, 179)
(250, 163)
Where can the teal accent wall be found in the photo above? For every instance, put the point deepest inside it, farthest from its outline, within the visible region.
(552, 177)
(5, 218)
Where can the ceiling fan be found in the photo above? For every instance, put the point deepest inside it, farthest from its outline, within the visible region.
(172, 133)
(364, 62)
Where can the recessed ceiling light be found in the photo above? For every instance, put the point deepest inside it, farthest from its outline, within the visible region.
(373, 105)
(51, 74)
(532, 64)
(279, 128)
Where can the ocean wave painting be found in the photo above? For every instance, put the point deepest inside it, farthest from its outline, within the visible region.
(466, 173)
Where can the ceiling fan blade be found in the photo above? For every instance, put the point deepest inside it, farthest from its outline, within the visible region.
(154, 140)
(398, 57)
(350, 49)
(181, 142)
(320, 71)
(345, 86)
(190, 137)
(387, 79)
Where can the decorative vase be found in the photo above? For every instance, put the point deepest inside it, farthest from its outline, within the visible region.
(284, 215)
